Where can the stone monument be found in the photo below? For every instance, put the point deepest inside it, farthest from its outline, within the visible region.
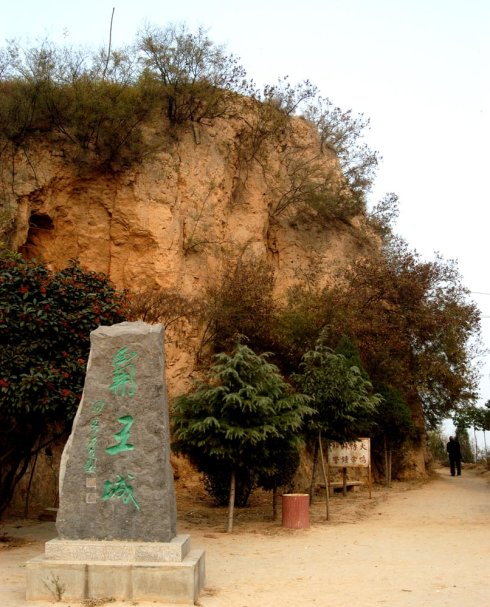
(117, 517)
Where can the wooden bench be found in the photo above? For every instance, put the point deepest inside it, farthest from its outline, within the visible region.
(338, 486)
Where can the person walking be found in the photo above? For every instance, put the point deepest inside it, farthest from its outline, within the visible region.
(454, 452)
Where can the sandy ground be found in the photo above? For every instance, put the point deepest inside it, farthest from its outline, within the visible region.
(413, 545)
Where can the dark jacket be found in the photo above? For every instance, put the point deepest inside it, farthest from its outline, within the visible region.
(454, 449)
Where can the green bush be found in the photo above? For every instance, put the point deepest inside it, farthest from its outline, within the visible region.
(45, 323)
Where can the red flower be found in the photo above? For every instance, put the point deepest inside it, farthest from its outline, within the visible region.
(23, 289)
(4, 383)
(65, 392)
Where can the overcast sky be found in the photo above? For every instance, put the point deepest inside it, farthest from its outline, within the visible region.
(418, 69)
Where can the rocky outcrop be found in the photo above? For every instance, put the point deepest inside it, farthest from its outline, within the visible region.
(173, 220)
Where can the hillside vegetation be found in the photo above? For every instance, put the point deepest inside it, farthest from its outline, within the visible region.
(232, 215)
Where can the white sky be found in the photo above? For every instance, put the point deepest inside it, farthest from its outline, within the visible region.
(419, 69)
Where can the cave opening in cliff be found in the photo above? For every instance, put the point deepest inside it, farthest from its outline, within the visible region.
(39, 225)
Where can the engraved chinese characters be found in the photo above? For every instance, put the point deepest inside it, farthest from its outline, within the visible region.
(116, 480)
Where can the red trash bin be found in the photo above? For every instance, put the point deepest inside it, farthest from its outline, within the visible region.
(296, 510)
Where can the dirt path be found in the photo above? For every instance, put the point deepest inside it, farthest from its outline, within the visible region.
(429, 546)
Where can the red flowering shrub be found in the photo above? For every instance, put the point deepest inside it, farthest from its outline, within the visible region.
(45, 323)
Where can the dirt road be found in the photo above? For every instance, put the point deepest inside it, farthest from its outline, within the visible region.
(428, 546)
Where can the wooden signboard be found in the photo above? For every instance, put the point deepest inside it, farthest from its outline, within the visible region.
(354, 454)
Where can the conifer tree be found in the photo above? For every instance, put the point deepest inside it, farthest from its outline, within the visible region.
(341, 395)
(241, 413)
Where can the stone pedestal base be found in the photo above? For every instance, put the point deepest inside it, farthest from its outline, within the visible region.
(74, 570)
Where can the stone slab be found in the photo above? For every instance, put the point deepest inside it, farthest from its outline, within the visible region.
(106, 580)
(99, 550)
(116, 480)
(178, 582)
(152, 581)
(55, 581)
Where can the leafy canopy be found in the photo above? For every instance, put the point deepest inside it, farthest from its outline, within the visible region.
(340, 393)
(45, 323)
(415, 327)
(239, 412)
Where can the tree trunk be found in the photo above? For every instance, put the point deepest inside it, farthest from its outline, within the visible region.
(315, 460)
(476, 445)
(28, 492)
(325, 478)
(274, 503)
(17, 448)
(385, 455)
(487, 462)
(231, 503)
(390, 452)
(16, 451)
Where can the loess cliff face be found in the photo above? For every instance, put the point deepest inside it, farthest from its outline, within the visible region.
(173, 220)
(205, 196)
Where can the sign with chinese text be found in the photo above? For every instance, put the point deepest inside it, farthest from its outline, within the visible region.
(355, 454)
